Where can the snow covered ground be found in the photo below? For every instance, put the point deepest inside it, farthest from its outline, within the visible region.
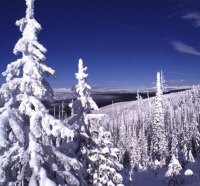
(149, 178)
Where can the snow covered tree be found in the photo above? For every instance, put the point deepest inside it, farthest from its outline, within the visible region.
(174, 145)
(138, 97)
(183, 155)
(29, 152)
(143, 149)
(133, 148)
(162, 81)
(159, 145)
(123, 140)
(173, 172)
(84, 103)
(194, 135)
(190, 157)
(190, 138)
(93, 146)
(105, 160)
(82, 107)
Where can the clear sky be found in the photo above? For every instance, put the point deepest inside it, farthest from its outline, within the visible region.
(122, 42)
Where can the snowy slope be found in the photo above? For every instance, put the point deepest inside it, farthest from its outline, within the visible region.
(181, 109)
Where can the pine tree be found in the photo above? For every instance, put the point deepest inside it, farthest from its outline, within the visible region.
(28, 133)
(138, 97)
(190, 157)
(159, 141)
(194, 135)
(174, 145)
(190, 139)
(93, 146)
(162, 81)
(105, 160)
(82, 107)
(133, 148)
(143, 149)
(123, 141)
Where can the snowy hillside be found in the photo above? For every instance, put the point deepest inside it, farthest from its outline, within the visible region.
(131, 126)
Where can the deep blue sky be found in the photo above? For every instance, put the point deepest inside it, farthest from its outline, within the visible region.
(122, 42)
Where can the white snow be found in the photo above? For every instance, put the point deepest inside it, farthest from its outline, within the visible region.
(188, 172)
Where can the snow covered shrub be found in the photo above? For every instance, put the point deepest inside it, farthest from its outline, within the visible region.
(93, 145)
(29, 148)
(173, 173)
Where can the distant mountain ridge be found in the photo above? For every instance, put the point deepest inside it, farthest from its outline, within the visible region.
(66, 93)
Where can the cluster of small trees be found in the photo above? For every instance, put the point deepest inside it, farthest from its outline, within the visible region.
(35, 148)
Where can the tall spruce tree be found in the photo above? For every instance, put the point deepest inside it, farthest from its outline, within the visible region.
(93, 146)
(159, 145)
(28, 133)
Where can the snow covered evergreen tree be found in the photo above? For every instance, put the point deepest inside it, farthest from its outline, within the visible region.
(190, 138)
(194, 135)
(123, 139)
(29, 152)
(162, 81)
(93, 146)
(138, 97)
(143, 149)
(105, 160)
(159, 145)
(132, 145)
(174, 145)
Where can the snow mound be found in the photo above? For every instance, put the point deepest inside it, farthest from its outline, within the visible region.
(188, 172)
